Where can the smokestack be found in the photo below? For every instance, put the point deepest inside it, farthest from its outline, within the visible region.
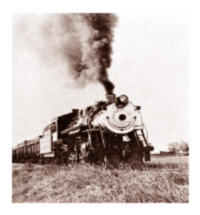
(110, 98)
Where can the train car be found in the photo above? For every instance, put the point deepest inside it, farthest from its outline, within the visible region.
(14, 154)
(21, 152)
(33, 149)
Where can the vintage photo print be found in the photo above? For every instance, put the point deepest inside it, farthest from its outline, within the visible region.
(100, 108)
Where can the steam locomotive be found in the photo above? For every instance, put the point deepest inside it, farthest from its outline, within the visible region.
(109, 132)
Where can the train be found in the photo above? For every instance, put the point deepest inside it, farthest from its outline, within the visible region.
(110, 132)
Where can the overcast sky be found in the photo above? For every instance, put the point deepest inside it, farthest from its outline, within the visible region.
(150, 66)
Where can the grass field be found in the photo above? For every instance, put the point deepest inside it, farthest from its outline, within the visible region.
(164, 179)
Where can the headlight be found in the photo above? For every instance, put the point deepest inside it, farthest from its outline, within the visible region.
(123, 99)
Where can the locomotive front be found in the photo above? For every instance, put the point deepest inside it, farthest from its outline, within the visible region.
(120, 115)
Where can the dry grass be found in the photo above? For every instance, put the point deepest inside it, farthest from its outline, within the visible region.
(165, 179)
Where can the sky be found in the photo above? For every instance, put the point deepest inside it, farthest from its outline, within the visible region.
(149, 65)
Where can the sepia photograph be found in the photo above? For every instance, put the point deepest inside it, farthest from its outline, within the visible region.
(100, 108)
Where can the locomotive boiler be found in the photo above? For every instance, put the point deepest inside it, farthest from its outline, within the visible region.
(108, 132)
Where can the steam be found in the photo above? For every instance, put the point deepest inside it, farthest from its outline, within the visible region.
(83, 42)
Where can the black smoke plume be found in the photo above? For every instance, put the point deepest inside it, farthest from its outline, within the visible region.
(100, 42)
(91, 56)
(82, 41)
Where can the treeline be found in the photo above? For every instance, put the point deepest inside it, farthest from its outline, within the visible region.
(179, 146)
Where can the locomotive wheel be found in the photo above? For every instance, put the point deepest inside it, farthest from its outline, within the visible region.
(100, 157)
(72, 157)
(55, 161)
(41, 161)
(36, 160)
(44, 161)
(28, 161)
(64, 158)
(47, 160)
(112, 161)
(84, 153)
(136, 160)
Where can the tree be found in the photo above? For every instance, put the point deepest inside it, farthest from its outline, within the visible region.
(174, 147)
(184, 146)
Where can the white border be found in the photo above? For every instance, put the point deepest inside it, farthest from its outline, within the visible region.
(133, 7)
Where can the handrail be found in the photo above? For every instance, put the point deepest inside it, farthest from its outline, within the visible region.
(146, 132)
(89, 128)
(104, 145)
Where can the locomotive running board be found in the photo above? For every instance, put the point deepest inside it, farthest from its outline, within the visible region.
(48, 155)
(90, 130)
(138, 127)
(57, 142)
